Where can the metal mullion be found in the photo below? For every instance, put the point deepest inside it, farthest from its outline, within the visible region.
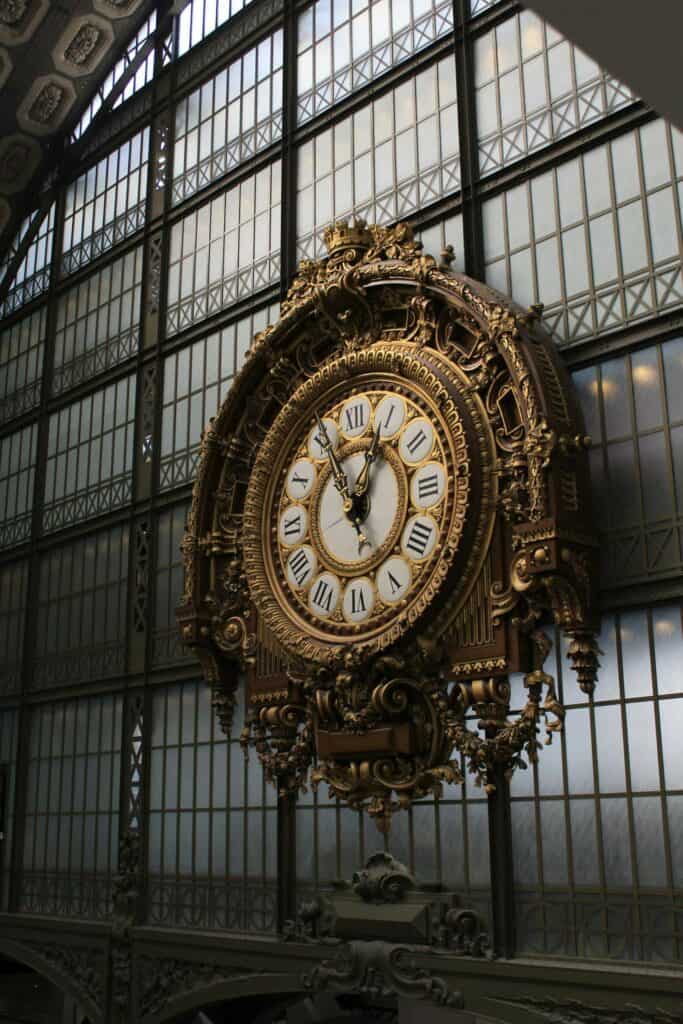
(99, 787)
(667, 426)
(635, 438)
(635, 884)
(646, 215)
(84, 700)
(195, 749)
(461, 45)
(28, 723)
(675, 179)
(163, 809)
(567, 807)
(245, 841)
(179, 747)
(464, 818)
(540, 874)
(666, 831)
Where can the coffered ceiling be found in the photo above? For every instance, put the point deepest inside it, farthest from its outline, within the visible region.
(53, 56)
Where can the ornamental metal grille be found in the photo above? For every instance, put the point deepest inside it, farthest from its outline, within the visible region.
(106, 204)
(22, 349)
(98, 322)
(597, 831)
(195, 380)
(226, 250)
(212, 848)
(71, 826)
(534, 87)
(90, 456)
(233, 116)
(344, 46)
(17, 474)
(32, 276)
(597, 239)
(13, 596)
(200, 18)
(633, 406)
(383, 162)
(82, 611)
(142, 77)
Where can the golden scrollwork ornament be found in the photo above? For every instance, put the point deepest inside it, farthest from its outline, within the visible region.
(391, 502)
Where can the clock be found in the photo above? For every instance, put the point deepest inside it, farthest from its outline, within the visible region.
(361, 498)
(393, 498)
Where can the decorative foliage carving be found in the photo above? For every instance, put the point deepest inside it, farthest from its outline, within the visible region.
(83, 969)
(47, 103)
(383, 880)
(12, 11)
(573, 1011)
(83, 44)
(461, 932)
(380, 714)
(161, 980)
(379, 969)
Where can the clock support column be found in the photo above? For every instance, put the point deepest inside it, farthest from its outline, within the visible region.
(502, 880)
(286, 857)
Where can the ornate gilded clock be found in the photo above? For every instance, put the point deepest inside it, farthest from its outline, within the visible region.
(391, 501)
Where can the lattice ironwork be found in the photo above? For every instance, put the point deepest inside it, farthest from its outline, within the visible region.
(195, 903)
(62, 895)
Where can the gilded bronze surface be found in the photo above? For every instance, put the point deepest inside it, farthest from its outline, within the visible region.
(381, 707)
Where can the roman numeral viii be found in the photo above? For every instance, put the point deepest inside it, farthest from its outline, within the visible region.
(300, 566)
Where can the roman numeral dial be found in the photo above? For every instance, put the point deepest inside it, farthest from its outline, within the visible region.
(364, 493)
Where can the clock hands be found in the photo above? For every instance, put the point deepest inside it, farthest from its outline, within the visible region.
(363, 480)
(340, 481)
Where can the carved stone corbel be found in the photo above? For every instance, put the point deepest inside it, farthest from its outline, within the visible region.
(380, 970)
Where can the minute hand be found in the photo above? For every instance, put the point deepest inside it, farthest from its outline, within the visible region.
(340, 481)
(364, 476)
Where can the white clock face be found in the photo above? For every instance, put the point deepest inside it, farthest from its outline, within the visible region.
(337, 531)
(362, 507)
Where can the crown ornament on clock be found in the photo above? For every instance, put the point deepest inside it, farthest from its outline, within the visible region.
(391, 515)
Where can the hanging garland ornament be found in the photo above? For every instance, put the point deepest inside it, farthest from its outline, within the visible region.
(391, 503)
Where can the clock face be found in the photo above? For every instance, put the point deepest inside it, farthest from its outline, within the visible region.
(360, 508)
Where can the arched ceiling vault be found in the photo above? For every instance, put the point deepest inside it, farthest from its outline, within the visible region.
(53, 58)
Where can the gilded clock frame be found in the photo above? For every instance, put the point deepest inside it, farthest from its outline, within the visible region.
(378, 366)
